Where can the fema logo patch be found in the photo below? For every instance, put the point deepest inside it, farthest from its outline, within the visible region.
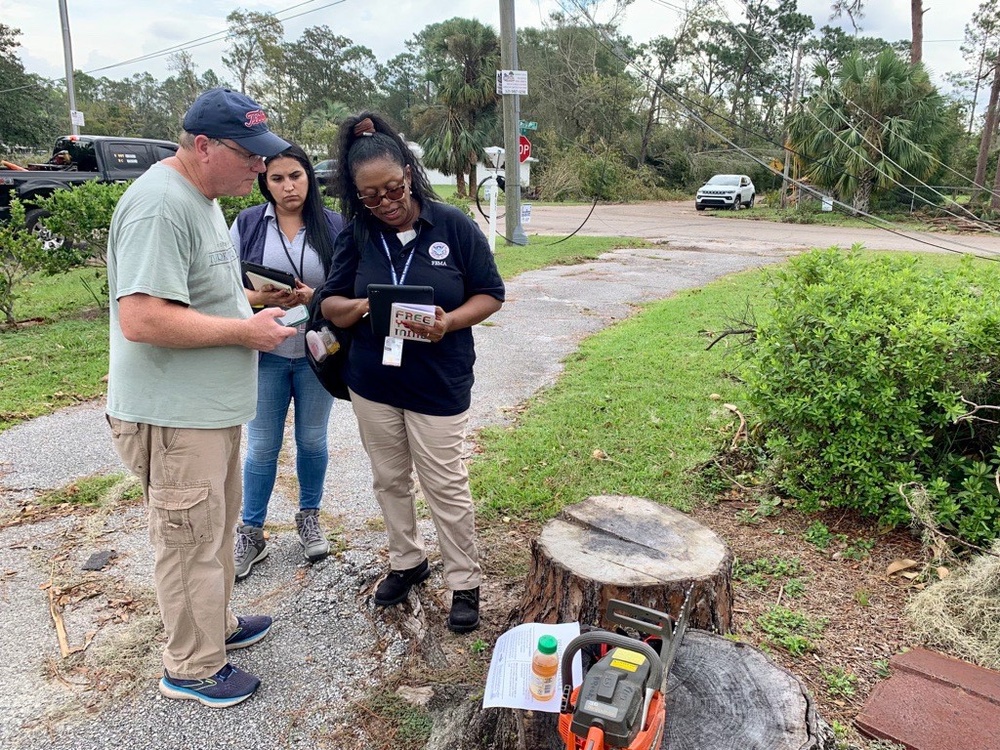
(438, 251)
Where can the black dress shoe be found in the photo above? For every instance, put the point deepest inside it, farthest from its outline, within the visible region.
(464, 615)
(397, 584)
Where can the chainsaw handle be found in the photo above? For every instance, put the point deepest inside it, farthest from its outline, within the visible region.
(596, 637)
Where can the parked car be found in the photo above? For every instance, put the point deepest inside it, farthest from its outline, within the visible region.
(733, 191)
(324, 174)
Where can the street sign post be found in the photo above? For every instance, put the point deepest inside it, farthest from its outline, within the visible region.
(523, 149)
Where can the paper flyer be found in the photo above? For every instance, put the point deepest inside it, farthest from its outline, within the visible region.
(510, 667)
(402, 312)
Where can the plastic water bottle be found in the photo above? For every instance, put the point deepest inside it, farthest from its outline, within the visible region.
(544, 668)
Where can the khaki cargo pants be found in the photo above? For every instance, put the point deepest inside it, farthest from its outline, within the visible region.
(191, 480)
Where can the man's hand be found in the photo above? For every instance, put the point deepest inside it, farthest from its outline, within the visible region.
(264, 332)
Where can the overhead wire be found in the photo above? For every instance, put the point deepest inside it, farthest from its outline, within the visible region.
(866, 217)
(983, 224)
(968, 213)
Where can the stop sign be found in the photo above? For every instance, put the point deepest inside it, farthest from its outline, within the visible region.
(523, 149)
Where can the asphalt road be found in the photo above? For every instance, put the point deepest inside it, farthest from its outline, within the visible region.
(329, 645)
(678, 223)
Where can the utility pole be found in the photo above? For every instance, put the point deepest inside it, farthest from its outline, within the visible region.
(511, 131)
(790, 110)
(68, 57)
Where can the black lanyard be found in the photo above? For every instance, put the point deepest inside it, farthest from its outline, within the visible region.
(302, 255)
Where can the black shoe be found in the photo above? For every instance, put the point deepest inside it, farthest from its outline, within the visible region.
(464, 615)
(397, 584)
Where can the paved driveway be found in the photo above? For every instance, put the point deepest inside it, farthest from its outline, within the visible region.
(678, 223)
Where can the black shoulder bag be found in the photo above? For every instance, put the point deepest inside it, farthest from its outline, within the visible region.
(327, 347)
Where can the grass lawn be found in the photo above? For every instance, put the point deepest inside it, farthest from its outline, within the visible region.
(637, 407)
(59, 355)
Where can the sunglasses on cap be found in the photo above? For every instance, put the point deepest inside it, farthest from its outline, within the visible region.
(374, 200)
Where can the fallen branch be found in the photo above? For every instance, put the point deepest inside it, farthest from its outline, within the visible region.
(975, 408)
(741, 431)
(731, 332)
(64, 648)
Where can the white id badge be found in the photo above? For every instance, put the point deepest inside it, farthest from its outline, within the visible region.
(392, 352)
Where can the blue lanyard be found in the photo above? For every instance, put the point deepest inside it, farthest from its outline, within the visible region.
(392, 267)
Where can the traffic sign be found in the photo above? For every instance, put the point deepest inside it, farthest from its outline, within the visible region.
(526, 125)
(523, 149)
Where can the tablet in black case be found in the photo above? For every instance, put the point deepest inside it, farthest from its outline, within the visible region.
(381, 297)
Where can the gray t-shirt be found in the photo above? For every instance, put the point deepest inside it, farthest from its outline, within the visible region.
(168, 240)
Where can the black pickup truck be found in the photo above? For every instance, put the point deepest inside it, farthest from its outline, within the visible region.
(88, 157)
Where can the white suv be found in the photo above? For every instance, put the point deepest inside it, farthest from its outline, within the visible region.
(733, 191)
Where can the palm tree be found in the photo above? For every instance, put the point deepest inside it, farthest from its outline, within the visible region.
(878, 123)
(464, 55)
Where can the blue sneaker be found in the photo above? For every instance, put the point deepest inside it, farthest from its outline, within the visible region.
(225, 688)
(249, 630)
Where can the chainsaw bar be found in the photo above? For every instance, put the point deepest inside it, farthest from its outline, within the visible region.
(657, 624)
(670, 652)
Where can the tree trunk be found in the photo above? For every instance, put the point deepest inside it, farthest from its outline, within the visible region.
(917, 27)
(988, 128)
(633, 550)
(720, 693)
(995, 200)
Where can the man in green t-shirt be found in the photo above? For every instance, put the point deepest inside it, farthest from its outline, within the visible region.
(183, 379)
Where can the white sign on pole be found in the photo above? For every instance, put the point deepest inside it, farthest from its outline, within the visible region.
(512, 82)
(525, 213)
(76, 117)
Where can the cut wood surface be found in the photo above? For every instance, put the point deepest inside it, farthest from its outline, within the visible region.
(727, 695)
(630, 549)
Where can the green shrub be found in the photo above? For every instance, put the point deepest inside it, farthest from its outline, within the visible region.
(82, 217)
(21, 255)
(857, 374)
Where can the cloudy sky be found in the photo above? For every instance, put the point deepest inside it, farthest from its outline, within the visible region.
(107, 34)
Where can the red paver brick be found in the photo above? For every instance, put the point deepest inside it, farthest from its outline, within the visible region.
(935, 702)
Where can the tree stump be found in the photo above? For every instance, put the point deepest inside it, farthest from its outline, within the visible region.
(727, 695)
(721, 694)
(633, 550)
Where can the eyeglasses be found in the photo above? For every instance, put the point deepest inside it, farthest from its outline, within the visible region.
(375, 200)
(252, 160)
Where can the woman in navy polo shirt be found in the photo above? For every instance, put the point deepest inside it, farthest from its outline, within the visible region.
(411, 398)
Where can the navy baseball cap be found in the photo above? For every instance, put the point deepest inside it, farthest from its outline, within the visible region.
(224, 113)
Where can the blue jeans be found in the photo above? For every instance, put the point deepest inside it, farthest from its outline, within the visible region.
(279, 380)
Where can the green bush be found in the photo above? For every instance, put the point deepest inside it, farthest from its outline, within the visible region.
(857, 374)
(21, 254)
(82, 217)
(573, 173)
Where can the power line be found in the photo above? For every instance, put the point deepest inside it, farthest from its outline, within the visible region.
(868, 218)
(864, 137)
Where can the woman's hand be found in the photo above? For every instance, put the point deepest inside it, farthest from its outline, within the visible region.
(303, 294)
(436, 332)
(270, 296)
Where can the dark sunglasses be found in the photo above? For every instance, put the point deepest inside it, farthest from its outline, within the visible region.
(374, 201)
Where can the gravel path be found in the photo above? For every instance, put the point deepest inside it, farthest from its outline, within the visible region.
(328, 642)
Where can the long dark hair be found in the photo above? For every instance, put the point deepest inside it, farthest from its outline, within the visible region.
(354, 150)
(317, 230)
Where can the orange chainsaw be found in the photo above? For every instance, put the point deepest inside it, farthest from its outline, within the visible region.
(621, 701)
